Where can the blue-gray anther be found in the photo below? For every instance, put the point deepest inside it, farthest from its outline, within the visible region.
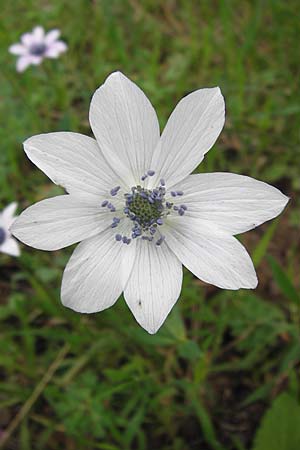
(111, 207)
(162, 182)
(118, 237)
(179, 193)
(104, 203)
(184, 207)
(181, 211)
(152, 230)
(173, 193)
(150, 173)
(160, 240)
(2, 235)
(159, 221)
(114, 191)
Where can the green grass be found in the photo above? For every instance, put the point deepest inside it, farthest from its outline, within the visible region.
(205, 380)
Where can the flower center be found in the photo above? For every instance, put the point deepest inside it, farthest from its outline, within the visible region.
(144, 206)
(37, 49)
(2, 235)
(147, 209)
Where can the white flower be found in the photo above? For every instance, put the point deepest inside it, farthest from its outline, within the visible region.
(36, 46)
(7, 243)
(137, 210)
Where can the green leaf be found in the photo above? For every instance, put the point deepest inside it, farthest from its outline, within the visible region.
(189, 350)
(284, 282)
(262, 247)
(280, 427)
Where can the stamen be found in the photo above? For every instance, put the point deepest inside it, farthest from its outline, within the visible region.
(111, 207)
(147, 209)
(152, 230)
(104, 203)
(160, 240)
(114, 191)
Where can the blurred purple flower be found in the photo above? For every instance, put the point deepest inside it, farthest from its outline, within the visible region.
(7, 243)
(36, 46)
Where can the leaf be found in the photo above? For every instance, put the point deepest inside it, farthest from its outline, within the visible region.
(189, 350)
(280, 427)
(284, 282)
(262, 247)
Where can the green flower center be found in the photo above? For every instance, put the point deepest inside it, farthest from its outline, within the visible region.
(147, 212)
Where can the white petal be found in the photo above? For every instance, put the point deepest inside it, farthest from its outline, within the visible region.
(97, 273)
(17, 49)
(36, 60)
(60, 221)
(38, 34)
(73, 161)
(125, 126)
(7, 215)
(191, 131)
(235, 203)
(10, 247)
(51, 36)
(213, 256)
(27, 39)
(22, 63)
(55, 49)
(154, 285)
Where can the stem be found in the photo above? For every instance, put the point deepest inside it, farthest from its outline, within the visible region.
(34, 396)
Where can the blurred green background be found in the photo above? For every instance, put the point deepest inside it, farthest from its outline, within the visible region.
(223, 372)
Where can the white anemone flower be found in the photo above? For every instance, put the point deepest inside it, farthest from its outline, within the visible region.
(36, 46)
(8, 244)
(137, 210)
